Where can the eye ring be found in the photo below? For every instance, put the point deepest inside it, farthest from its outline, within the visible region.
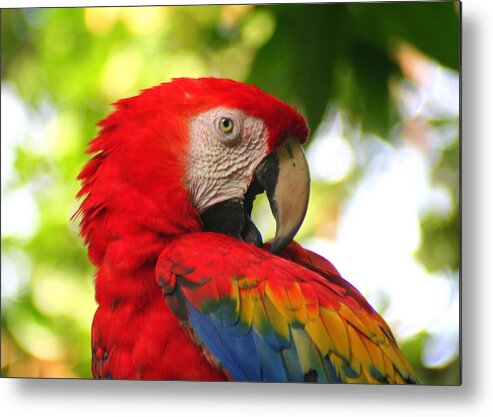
(226, 125)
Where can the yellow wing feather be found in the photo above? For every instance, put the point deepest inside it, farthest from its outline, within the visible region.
(337, 331)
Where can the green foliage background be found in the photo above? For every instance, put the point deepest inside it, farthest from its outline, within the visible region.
(68, 65)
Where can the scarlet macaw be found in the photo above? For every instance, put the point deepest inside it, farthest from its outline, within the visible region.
(186, 290)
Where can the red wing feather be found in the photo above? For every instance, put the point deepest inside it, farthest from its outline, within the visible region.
(278, 318)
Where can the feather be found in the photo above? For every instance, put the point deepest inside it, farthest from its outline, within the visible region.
(266, 329)
(337, 330)
(271, 365)
(278, 321)
(272, 327)
(376, 366)
(318, 333)
(232, 310)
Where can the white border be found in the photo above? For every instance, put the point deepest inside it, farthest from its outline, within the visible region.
(143, 399)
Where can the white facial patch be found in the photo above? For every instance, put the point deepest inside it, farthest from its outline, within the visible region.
(226, 145)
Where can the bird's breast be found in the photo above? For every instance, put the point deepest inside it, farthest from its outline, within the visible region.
(140, 338)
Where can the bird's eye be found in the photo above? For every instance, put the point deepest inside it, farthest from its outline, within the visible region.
(229, 127)
(226, 125)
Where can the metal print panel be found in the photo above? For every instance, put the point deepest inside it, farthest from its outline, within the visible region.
(264, 193)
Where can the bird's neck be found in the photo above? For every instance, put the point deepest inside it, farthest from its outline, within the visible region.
(122, 231)
(125, 239)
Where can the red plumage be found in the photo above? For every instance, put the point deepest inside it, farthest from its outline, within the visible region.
(136, 204)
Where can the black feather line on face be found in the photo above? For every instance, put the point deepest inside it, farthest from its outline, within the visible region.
(233, 217)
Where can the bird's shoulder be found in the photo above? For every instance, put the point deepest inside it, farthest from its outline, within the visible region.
(287, 317)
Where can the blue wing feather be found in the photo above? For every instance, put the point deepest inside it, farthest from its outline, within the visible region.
(250, 356)
(237, 354)
(275, 328)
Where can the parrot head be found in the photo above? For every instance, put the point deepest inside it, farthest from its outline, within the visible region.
(191, 155)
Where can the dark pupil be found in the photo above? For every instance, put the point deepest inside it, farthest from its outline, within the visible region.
(226, 123)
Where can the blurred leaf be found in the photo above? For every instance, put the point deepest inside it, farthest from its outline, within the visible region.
(432, 27)
(297, 63)
(447, 375)
(343, 54)
(369, 94)
(439, 249)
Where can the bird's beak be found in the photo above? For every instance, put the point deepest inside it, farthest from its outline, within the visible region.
(285, 177)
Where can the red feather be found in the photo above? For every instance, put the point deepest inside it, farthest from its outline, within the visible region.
(135, 203)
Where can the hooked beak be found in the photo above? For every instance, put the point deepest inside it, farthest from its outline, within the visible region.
(285, 178)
